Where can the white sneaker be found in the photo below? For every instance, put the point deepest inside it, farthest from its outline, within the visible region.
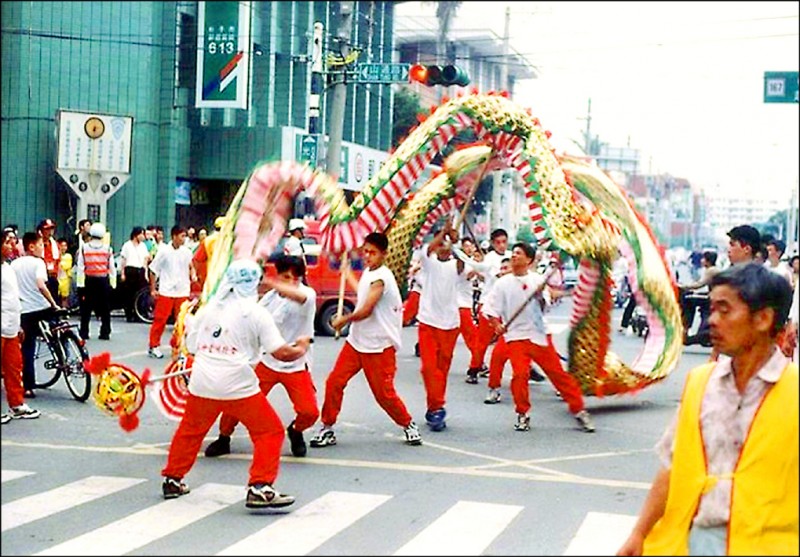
(493, 397)
(523, 423)
(323, 438)
(155, 352)
(585, 421)
(412, 434)
(6, 418)
(24, 412)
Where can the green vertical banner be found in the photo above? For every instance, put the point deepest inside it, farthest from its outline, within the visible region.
(223, 55)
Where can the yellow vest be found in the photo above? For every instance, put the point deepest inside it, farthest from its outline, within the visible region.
(764, 495)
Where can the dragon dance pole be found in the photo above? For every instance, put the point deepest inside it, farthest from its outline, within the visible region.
(343, 270)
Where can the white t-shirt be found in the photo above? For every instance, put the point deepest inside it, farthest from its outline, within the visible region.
(172, 267)
(293, 246)
(782, 268)
(493, 260)
(466, 286)
(134, 255)
(28, 268)
(226, 338)
(382, 328)
(293, 320)
(11, 308)
(438, 305)
(508, 294)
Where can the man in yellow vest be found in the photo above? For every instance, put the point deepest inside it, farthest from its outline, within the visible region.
(96, 273)
(728, 481)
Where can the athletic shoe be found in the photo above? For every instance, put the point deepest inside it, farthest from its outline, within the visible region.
(523, 423)
(585, 421)
(472, 375)
(6, 418)
(412, 434)
(435, 419)
(535, 376)
(483, 371)
(493, 397)
(23, 412)
(155, 352)
(173, 487)
(296, 441)
(220, 446)
(323, 438)
(261, 496)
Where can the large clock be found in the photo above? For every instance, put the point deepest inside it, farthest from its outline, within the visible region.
(94, 127)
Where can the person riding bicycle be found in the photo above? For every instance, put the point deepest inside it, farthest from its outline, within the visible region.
(36, 300)
(690, 303)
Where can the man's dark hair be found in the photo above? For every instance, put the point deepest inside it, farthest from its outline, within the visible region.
(291, 263)
(379, 240)
(746, 235)
(528, 249)
(82, 222)
(135, 231)
(497, 232)
(62, 239)
(710, 256)
(152, 227)
(780, 245)
(759, 288)
(29, 238)
(177, 229)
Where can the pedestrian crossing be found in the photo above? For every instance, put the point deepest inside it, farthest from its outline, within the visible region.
(464, 527)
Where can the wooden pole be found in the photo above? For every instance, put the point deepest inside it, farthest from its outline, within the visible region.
(343, 270)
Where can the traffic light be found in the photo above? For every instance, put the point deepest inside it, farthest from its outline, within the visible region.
(433, 74)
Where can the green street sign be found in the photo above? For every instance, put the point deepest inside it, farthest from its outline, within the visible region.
(382, 73)
(223, 51)
(780, 87)
(308, 148)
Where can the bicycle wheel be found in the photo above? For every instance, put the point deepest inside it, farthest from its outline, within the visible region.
(45, 365)
(79, 381)
(144, 306)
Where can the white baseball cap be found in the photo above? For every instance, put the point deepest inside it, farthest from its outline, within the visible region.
(294, 224)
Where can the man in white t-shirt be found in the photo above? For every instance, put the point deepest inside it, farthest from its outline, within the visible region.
(438, 320)
(292, 305)
(36, 302)
(174, 269)
(134, 258)
(371, 344)
(225, 336)
(11, 329)
(294, 243)
(775, 249)
(512, 312)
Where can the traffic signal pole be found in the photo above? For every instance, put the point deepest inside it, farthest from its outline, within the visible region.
(338, 103)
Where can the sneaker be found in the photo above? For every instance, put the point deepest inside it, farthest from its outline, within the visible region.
(585, 421)
(472, 376)
(323, 438)
(412, 434)
(173, 487)
(523, 423)
(155, 352)
(219, 447)
(24, 412)
(493, 397)
(435, 419)
(261, 496)
(6, 418)
(296, 441)
(483, 371)
(535, 376)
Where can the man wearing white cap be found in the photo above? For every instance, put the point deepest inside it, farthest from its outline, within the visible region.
(294, 243)
(225, 336)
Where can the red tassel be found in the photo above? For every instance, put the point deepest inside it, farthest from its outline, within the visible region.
(98, 364)
(145, 379)
(505, 94)
(445, 99)
(129, 422)
(474, 90)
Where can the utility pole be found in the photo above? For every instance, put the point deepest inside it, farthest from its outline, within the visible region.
(587, 135)
(504, 63)
(316, 80)
(332, 162)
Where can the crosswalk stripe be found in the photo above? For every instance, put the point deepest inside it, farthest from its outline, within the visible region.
(467, 528)
(152, 523)
(601, 534)
(8, 475)
(307, 528)
(34, 507)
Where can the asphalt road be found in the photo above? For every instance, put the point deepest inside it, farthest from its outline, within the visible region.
(75, 483)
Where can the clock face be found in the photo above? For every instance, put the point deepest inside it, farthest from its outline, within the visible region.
(94, 127)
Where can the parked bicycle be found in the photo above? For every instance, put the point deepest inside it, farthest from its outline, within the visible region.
(67, 356)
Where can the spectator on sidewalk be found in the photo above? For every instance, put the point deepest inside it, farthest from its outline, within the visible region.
(46, 228)
(97, 273)
(134, 259)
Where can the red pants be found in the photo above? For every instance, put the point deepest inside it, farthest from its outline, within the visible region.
(467, 327)
(379, 370)
(410, 307)
(164, 307)
(497, 363)
(11, 368)
(260, 419)
(483, 338)
(436, 352)
(300, 388)
(521, 352)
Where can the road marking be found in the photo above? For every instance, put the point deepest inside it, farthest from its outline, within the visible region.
(129, 355)
(467, 528)
(601, 534)
(310, 526)
(8, 475)
(150, 524)
(475, 471)
(46, 503)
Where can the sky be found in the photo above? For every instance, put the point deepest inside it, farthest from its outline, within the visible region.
(680, 81)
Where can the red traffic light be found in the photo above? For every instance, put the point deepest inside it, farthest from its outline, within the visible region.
(434, 74)
(418, 73)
